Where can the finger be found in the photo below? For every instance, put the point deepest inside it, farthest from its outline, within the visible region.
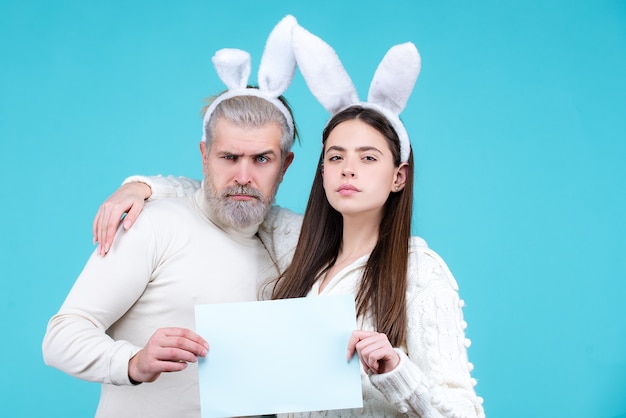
(352, 345)
(109, 222)
(364, 342)
(94, 227)
(99, 219)
(187, 349)
(146, 367)
(373, 344)
(183, 332)
(103, 216)
(378, 353)
(157, 356)
(133, 213)
(171, 366)
(372, 359)
(162, 349)
(110, 228)
(175, 354)
(186, 339)
(356, 336)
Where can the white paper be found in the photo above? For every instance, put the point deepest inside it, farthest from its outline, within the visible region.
(278, 356)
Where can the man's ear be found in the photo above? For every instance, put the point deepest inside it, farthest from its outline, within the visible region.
(399, 180)
(288, 160)
(203, 151)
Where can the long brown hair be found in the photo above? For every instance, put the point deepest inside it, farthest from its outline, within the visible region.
(382, 290)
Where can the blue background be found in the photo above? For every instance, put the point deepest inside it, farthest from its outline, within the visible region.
(518, 124)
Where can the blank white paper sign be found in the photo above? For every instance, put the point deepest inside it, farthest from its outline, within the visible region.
(278, 356)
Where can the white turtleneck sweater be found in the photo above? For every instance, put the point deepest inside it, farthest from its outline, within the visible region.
(433, 378)
(175, 256)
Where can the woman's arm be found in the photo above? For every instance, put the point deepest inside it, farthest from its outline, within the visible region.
(127, 202)
(433, 380)
(167, 186)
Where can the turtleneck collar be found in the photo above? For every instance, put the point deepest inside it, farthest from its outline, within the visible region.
(200, 202)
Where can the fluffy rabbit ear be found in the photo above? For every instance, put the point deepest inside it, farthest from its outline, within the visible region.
(233, 67)
(276, 71)
(278, 63)
(323, 72)
(395, 78)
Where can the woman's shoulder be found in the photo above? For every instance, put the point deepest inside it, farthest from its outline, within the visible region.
(426, 267)
(416, 241)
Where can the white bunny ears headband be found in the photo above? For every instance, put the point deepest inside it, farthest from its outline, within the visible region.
(324, 74)
(276, 71)
(329, 82)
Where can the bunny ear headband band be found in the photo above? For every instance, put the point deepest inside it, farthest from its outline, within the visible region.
(329, 82)
(276, 71)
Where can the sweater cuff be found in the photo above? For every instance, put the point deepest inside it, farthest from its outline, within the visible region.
(123, 351)
(141, 179)
(166, 187)
(400, 383)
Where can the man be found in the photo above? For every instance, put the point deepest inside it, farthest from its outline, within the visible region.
(183, 251)
(128, 320)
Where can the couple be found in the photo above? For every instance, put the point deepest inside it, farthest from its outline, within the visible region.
(354, 238)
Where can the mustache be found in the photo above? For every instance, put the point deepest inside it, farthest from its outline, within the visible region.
(242, 190)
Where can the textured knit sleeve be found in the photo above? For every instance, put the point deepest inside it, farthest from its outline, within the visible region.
(433, 380)
(170, 186)
(76, 341)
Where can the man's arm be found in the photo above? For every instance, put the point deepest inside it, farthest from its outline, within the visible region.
(76, 340)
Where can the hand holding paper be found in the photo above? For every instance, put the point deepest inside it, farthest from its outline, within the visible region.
(168, 350)
(375, 351)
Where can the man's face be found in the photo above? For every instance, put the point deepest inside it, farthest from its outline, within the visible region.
(242, 171)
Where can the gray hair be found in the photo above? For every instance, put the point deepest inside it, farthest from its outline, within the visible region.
(251, 111)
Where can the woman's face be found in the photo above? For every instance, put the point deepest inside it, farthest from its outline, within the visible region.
(359, 172)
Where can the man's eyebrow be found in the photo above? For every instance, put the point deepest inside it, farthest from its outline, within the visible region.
(262, 153)
(225, 153)
(256, 154)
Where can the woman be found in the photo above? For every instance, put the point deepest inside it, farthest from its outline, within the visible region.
(355, 238)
